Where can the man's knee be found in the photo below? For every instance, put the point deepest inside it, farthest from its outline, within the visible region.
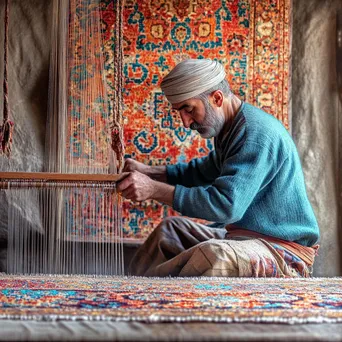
(169, 225)
(212, 258)
(221, 256)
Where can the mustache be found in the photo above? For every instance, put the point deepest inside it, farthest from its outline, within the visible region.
(195, 126)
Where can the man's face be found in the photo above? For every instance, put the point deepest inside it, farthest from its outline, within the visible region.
(200, 116)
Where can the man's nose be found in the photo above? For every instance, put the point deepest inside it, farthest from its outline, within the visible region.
(187, 119)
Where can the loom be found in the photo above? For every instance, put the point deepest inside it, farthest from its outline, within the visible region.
(67, 201)
(68, 220)
(10, 180)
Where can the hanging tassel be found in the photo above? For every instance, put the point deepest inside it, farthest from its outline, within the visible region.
(118, 145)
(117, 137)
(6, 130)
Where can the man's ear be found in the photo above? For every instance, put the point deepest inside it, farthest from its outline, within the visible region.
(217, 98)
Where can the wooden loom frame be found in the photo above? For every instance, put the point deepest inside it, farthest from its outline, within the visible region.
(56, 179)
(61, 177)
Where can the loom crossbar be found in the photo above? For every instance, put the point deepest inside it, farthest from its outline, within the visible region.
(41, 179)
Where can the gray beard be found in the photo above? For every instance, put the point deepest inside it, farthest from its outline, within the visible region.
(211, 125)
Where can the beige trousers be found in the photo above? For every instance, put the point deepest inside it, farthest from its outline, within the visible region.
(182, 247)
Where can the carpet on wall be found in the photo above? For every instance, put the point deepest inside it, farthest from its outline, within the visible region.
(272, 300)
(250, 38)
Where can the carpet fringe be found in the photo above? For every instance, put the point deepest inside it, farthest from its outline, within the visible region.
(173, 279)
(165, 319)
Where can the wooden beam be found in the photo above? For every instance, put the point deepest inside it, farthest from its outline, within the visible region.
(61, 177)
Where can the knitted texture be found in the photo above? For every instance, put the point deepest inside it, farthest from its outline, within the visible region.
(253, 179)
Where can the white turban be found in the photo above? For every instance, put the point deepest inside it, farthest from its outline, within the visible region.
(190, 78)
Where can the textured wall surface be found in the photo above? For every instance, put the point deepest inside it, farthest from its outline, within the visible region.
(315, 112)
(315, 106)
(28, 68)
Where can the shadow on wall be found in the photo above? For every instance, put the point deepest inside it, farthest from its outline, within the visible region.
(339, 113)
(315, 108)
(28, 68)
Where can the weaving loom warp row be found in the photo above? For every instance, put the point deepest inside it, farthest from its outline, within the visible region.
(55, 247)
(72, 224)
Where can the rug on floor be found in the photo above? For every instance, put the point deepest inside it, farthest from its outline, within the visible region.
(171, 299)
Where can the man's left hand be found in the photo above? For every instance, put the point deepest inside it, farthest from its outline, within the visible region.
(137, 187)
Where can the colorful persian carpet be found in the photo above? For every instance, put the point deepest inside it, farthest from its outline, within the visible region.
(250, 38)
(270, 300)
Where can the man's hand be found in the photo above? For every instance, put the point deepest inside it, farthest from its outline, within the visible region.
(137, 186)
(157, 173)
(133, 165)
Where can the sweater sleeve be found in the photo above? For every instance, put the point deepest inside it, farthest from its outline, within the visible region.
(198, 172)
(242, 176)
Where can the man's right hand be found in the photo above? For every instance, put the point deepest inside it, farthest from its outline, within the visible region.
(133, 165)
(155, 172)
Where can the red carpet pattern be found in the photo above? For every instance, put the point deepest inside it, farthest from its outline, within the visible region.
(250, 38)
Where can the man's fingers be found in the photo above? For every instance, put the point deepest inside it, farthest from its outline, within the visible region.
(127, 193)
(128, 165)
(130, 193)
(125, 183)
(136, 186)
(122, 176)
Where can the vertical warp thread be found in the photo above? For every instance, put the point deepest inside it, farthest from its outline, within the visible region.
(70, 215)
(7, 126)
(117, 139)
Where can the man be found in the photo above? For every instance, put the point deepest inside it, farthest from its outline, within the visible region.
(251, 186)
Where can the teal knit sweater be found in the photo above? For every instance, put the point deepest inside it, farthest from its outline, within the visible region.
(253, 179)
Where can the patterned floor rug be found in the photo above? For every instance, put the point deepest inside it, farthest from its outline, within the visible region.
(49, 298)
